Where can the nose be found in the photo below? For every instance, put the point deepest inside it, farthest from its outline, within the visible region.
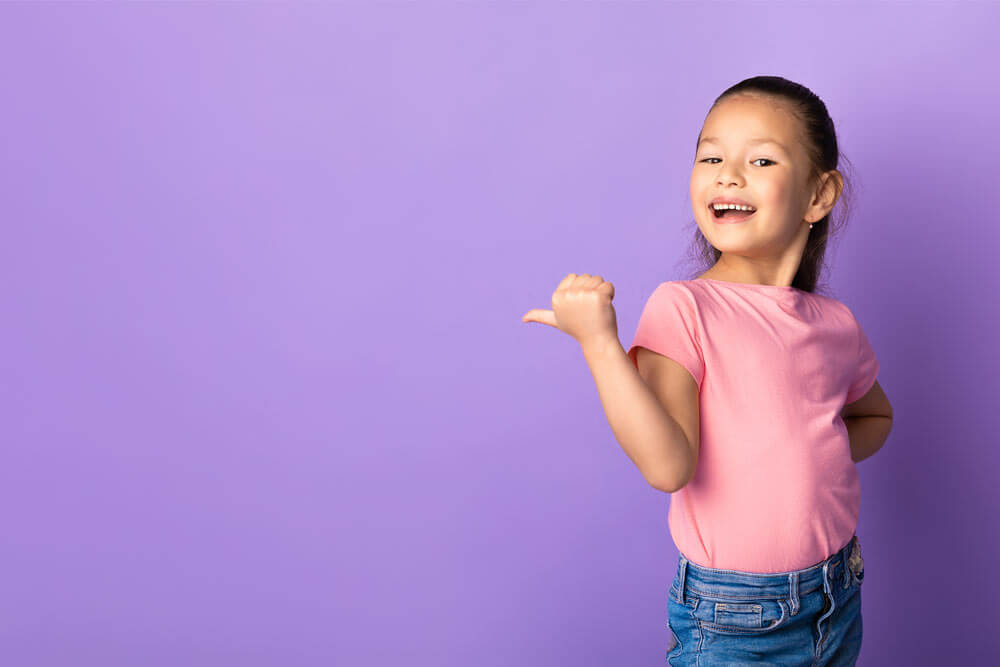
(729, 176)
(728, 173)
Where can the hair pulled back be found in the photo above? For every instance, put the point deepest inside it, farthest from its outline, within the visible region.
(819, 138)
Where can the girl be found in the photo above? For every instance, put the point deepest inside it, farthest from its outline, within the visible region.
(747, 395)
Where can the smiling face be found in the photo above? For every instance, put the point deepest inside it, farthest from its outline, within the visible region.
(750, 150)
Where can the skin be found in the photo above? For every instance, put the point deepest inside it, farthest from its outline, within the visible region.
(766, 249)
(653, 406)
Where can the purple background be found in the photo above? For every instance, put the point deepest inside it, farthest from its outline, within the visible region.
(267, 395)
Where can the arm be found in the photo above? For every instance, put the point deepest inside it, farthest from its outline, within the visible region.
(868, 421)
(664, 449)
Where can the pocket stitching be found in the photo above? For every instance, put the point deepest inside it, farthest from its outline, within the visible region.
(754, 610)
(733, 630)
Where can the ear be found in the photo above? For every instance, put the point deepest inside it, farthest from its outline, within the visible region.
(827, 194)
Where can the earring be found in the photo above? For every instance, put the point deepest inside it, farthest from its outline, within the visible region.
(810, 225)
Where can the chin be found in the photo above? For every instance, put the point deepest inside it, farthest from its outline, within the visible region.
(737, 244)
(731, 237)
(734, 248)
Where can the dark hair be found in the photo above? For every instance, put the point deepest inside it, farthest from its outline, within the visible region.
(820, 141)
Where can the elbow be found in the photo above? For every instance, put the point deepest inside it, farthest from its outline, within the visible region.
(672, 481)
(659, 485)
(671, 487)
(665, 488)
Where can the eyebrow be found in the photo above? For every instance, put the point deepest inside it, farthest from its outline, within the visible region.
(751, 142)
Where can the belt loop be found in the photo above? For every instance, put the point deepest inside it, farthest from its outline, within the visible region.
(680, 579)
(793, 591)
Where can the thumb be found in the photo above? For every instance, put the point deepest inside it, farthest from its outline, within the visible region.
(543, 316)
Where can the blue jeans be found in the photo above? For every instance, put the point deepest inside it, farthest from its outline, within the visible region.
(804, 617)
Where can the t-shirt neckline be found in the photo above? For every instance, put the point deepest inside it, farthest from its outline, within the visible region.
(783, 288)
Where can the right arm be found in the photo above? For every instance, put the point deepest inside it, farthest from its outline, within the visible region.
(653, 410)
(652, 405)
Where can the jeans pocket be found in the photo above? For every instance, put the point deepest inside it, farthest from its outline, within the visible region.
(741, 617)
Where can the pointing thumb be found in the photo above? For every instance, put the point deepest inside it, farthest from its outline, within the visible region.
(542, 316)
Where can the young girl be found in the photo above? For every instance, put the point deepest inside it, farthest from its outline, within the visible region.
(747, 395)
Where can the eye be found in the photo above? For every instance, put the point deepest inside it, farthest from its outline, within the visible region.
(751, 162)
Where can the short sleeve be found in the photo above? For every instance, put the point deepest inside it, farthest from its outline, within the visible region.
(668, 325)
(866, 370)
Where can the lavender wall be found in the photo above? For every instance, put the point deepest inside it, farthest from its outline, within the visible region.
(267, 395)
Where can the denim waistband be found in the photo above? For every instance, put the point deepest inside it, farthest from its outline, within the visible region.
(734, 584)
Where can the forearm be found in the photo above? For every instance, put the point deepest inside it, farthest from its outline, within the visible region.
(867, 435)
(651, 438)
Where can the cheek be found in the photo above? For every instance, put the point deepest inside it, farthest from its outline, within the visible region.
(777, 194)
(696, 192)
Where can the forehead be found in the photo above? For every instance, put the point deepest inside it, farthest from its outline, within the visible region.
(747, 120)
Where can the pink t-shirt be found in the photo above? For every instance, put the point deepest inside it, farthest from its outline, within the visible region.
(775, 488)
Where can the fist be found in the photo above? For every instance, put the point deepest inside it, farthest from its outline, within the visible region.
(581, 307)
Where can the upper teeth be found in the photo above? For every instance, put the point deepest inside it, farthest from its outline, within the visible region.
(719, 207)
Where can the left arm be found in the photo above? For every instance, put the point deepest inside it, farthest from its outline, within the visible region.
(869, 421)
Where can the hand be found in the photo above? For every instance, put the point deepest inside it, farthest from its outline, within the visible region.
(581, 307)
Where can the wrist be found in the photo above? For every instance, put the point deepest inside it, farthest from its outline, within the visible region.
(600, 346)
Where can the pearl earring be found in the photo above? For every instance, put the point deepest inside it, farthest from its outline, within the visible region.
(810, 225)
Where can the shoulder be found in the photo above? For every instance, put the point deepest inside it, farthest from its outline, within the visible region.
(684, 290)
(843, 318)
(675, 285)
(676, 296)
(836, 307)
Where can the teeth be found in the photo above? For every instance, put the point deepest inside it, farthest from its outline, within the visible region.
(722, 207)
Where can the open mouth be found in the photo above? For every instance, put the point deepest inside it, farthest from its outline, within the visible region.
(731, 214)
